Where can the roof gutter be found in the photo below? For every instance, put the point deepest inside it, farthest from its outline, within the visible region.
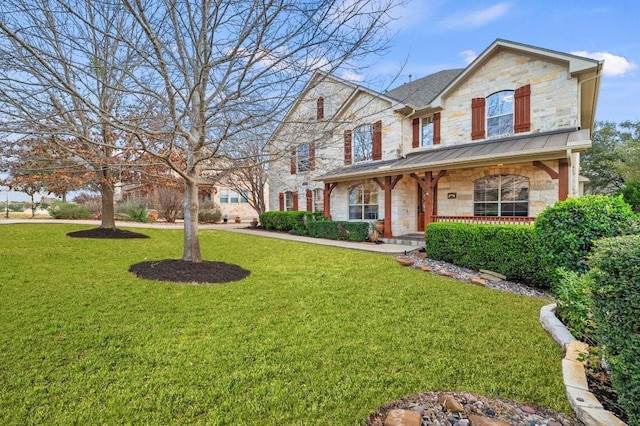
(598, 75)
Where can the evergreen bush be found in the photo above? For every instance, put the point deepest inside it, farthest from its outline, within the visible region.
(339, 230)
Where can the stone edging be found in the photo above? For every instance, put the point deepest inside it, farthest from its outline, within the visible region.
(586, 406)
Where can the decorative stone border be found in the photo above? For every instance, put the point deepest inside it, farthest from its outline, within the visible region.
(586, 406)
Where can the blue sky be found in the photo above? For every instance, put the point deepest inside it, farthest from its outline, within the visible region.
(432, 35)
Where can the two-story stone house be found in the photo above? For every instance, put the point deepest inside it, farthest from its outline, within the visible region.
(496, 142)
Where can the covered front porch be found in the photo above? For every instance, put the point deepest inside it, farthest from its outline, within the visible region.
(441, 184)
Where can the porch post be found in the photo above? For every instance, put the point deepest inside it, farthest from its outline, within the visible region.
(428, 199)
(328, 187)
(388, 184)
(563, 179)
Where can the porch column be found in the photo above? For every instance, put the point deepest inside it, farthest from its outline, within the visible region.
(388, 184)
(563, 179)
(328, 187)
(428, 185)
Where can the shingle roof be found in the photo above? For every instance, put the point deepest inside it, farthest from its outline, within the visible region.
(421, 92)
(554, 143)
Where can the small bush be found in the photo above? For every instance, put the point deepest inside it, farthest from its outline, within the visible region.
(92, 202)
(630, 192)
(574, 303)
(133, 212)
(60, 210)
(569, 228)
(615, 270)
(209, 216)
(512, 250)
(339, 230)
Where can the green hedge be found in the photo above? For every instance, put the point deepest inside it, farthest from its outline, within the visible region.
(60, 210)
(289, 221)
(615, 269)
(568, 229)
(339, 230)
(511, 250)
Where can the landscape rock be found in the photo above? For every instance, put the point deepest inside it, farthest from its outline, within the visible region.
(403, 418)
(405, 261)
(485, 421)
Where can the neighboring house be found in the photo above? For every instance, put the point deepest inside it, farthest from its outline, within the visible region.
(496, 142)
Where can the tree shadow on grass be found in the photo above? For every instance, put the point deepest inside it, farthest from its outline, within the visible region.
(106, 233)
(180, 271)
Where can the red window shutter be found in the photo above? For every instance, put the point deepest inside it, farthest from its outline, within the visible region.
(347, 147)
(522, 109)
(415, 133)
(295, 201)
(436, 128)
(309, 195)
(477, 119)
(281, 201)
(320, 109)
(293, 162)
(377, 141)
(312, 156)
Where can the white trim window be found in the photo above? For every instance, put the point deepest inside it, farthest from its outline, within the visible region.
(363, 143)
(427, 131)
(501, 195)
(288, 201)
(500, 114)
(363, 201)
(318, 200)
(304, 158)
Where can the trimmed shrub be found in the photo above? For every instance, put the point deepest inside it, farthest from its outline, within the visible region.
(60, 210)
(339, 230)
(511, 250)
(133, 212)
(568, 229)
(284, 221)
(574, 303)
(209, 216)
(615, 270)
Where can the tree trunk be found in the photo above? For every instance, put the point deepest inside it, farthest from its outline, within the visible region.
(108, 214)
(191, 238)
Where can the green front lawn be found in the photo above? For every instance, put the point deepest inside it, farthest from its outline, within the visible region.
(316, 335)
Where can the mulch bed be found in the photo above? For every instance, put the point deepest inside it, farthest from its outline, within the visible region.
(106, 233)
(180, 271)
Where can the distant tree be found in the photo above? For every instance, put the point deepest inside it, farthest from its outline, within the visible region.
(614, 157)
(631, 194)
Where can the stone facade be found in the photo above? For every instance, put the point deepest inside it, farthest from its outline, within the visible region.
(555, 90)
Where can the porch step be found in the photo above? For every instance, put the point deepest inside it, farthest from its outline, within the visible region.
(416, 240)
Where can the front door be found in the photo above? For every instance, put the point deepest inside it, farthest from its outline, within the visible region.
(420, 209)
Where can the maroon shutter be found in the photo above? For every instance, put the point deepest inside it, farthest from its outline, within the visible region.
(309, 195)
(312, 156)
(295, 201)
(293, 162)
(347, 147)
(522, 109)
(436, 128)
(415, 133)
(377, 141)
(281, 201)
(320, 109)
(477, 118)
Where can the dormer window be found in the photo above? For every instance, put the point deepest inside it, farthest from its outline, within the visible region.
(500, 114)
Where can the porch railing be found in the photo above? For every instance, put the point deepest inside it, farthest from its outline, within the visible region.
(489, 220)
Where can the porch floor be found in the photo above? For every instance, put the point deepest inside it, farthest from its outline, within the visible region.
(415, 239)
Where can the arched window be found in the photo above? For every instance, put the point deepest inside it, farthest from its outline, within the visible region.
(501, 195)
(363, 201)
(500, 113)
(363, 143)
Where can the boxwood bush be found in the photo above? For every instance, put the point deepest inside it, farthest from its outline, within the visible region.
(295, 221)
(615, 270)
(60, 210)
(511, 250)
(569, 228)
(339, 230)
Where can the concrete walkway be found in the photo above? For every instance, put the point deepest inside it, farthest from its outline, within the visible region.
(240, 228)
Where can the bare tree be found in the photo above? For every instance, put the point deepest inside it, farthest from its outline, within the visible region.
(61, 80)
(207, 71)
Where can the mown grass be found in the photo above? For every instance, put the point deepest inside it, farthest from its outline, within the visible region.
(315, 336)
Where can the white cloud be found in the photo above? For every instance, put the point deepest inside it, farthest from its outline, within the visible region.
(476, 18)
(352, 76)
(468, 56)
(614, 65)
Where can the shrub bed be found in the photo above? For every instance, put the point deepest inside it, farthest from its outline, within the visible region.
(511, 250)
(339, 230)
(615, 270)
(60, 210)
(295, 221)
